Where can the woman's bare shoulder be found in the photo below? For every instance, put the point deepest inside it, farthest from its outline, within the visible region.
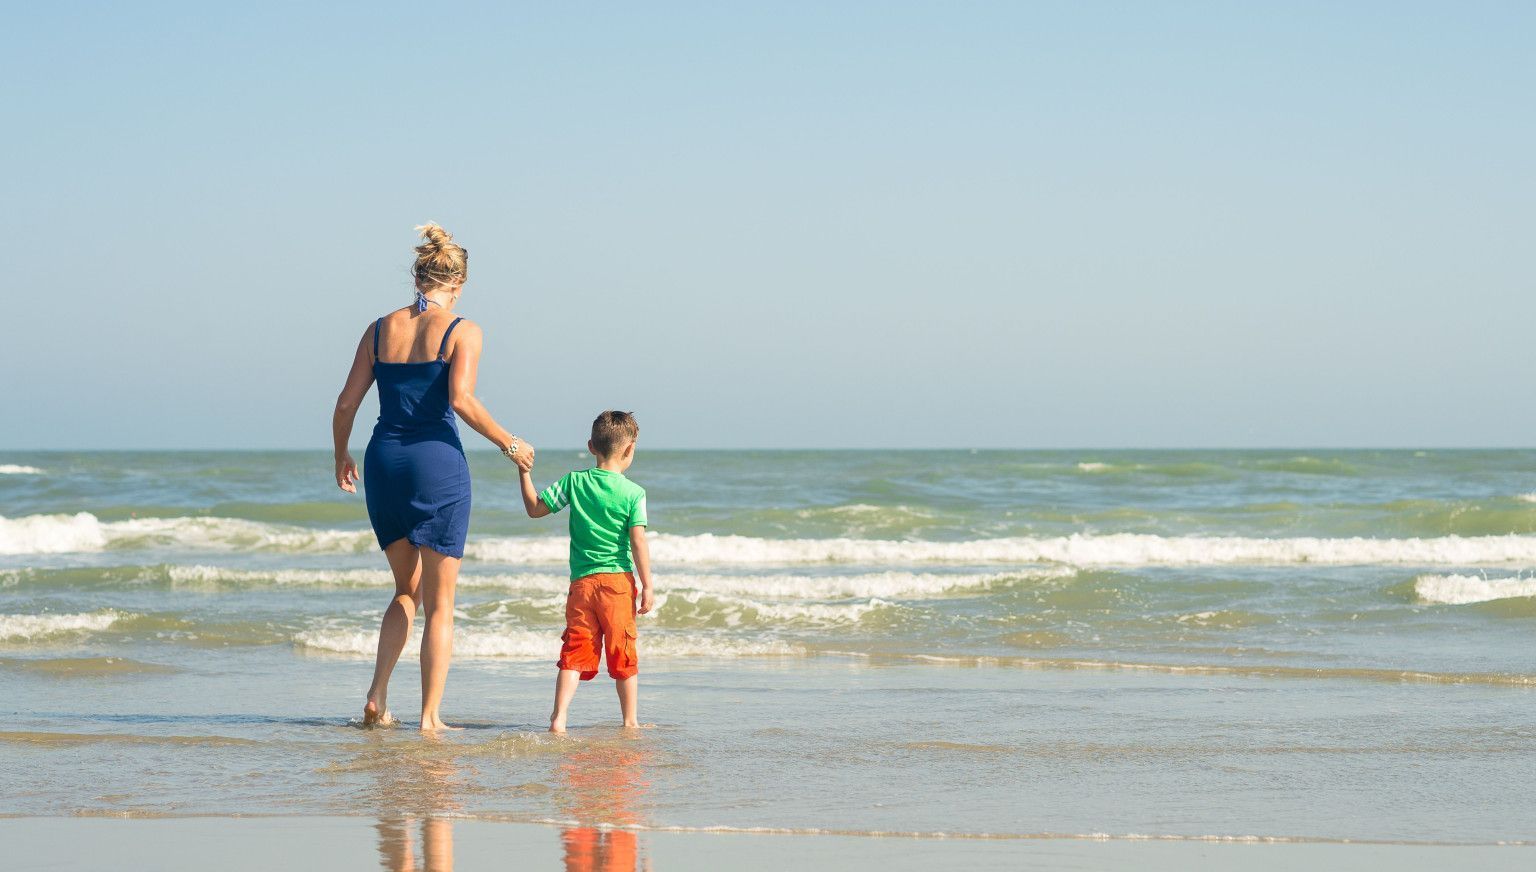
(468, 330)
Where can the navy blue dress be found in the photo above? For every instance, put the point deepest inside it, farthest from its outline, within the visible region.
(415, 477)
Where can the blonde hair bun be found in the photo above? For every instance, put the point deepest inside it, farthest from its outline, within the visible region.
(439, 260)
(434, 234)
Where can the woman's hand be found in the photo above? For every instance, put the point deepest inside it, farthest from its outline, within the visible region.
(346, 473)
(524, 456)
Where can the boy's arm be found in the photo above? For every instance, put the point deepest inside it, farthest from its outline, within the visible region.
(642, 554)
(535, 506)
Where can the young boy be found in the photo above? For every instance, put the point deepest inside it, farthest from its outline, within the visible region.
(607, 551)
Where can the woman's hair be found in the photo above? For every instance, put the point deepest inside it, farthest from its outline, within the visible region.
(440, 261)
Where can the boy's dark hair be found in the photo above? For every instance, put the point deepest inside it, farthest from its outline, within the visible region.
(612, 430)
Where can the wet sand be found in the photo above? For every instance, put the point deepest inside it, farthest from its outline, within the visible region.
(441, 844)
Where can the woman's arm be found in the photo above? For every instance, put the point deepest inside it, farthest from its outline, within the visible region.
(464, 366)
(359, 380)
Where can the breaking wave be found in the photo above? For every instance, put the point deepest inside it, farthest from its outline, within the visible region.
(26, 628)
(83, 532)
(545, 645)
(1456, 590)
(906, 585)
(1125, 549)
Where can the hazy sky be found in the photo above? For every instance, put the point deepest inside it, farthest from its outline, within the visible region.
(782, 224)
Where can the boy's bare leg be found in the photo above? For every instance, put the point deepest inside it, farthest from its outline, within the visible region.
(629, 699)
(395, 629)
(565, 688)
(439, 577)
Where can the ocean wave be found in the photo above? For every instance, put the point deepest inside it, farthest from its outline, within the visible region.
(545, 645)
(904, 585)
(51, 534)
(17, 469)
(83, 532)
(694, 609)
(27, 628)
(699, 608)
(1457, 590)
(1087, 550)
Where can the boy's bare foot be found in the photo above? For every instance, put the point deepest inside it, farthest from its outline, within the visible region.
(556, 724)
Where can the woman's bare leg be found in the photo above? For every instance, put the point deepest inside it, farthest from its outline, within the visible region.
(437, 837)
(395, 630)
(395, 846)
(439, 577)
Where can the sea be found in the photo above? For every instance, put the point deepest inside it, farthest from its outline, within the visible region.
(1281, 646)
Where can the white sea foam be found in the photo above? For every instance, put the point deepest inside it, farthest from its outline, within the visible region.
(44, 534)
(1526, 498)
(545, 644)
(221, 576)
(1093, 466)
(903, 585)
(51, 534)
(17, 469)
(1457, 590)
(737, 611)
(1124, 549)
(232, 534)
(891, 585)
(84, 532)
(14, 628)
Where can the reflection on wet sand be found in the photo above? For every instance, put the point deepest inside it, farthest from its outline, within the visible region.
(602, 786)
(419, 779)
(599, 783)
(397, 852)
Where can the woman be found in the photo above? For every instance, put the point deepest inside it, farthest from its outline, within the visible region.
(415, 478)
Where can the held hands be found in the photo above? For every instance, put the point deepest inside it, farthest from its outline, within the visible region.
(524, 456)
(647, 601)
(346, 473)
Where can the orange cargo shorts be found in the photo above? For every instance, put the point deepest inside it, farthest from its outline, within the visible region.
(600, 621)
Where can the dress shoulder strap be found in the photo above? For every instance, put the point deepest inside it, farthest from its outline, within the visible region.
(443, 348)
(376, 340)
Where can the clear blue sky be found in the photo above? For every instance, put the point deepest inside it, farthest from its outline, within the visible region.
(782, 224)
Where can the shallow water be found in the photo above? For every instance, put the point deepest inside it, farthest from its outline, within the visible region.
(1299, 645)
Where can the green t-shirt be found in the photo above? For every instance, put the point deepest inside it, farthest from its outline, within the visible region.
(604, 505)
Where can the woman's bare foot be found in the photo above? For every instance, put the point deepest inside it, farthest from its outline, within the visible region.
(557, 723)
(376, 715)
(433, 723)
